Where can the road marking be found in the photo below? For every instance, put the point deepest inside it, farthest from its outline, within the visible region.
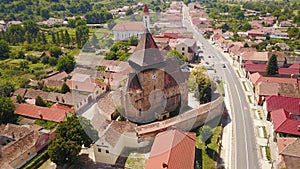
(244, 128)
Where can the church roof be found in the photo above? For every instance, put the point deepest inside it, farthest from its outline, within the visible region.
(146, 53)
(146, 10)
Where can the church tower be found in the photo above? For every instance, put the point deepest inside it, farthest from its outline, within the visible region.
(146, 17)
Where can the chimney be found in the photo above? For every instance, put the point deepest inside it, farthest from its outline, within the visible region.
(164, 165)
(40, 114)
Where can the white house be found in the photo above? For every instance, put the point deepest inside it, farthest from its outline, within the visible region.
(123, 31)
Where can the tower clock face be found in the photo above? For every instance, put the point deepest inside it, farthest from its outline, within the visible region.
(154, 76)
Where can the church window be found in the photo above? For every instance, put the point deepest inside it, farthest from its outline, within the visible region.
(107, 151)
(99, 149)
(182, 48)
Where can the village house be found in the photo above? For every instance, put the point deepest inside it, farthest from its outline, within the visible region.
(56, 114)
(282, 142)
(273, 86)
(55, 80)
(291, 154)
(172, 149)
(19, 144)
(263, 57)
(289, 104)
(187, 47)
(123, 31)
(285, 122)
(51, 22)
(285, 24)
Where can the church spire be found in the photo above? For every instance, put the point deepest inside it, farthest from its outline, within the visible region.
(146, 17)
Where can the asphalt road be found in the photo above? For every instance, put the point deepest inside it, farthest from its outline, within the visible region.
(244, 150)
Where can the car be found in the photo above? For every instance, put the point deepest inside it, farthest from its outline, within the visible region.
(223, 65)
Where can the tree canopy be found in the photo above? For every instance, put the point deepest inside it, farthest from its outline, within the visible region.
(4, 49)
(272, 67)
(70, 135)
(7, 111)
(66, 63)
(200, 84)
(206, 133)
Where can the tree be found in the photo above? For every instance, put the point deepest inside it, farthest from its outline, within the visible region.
(82, 35)
(70, 135)
(72, 23)
(16, 34)
(129, 12)
(206, 133)
(133, 41)
(65, 88)
(45, 13)
(7, 111)
(40, 102)
(31, 27)
(67, 39)
(272, 67)
(200, 84)
(95, 41)
(20, 99)
(179, 56)
(66, 63)
(4, 49)
(6, 89)
(55, 51)
(62, 152)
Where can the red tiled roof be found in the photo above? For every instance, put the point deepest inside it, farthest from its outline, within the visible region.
(295, 65)
(290, 104)
(283, 123)
(256, 77)
(62, 107)
(248, 62)
(288, 71)
(255, 67)
(174, 148)
(51, 114)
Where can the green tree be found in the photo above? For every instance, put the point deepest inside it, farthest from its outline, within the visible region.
(70, 135)
(272, 67)
(95, 41)
(53, 38)
(66, 63)
(179, 56)
(7, 89)
(55, 51)
(7, 111)
(82, 35)
(62, 152)
(200, 84)
(16, 34)
(31, 27)
(40, 102)
(67, 38)
(206, 133)
(65, 88)
(133, 41)
(4, 49)
(45, 13)
(129, 12)
(72, 23)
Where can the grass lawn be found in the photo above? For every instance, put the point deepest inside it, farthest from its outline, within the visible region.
(46, 124)
(135, 161)
(221, 87)
(209, 155)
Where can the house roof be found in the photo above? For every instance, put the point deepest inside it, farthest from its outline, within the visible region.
(57, 76)
(62, 107)
(129, 26)
(256, 77)
(288, 71)
(255, 67)
(295, 65)
(268, 89)
(107, 105)
(292, 149)
(83, 82)
(168, 146)
(282, 142)
(20, 91)
(283, 123)
(188, 42)
(289, 104)
(263, 56)
(146, 52)
(37, 112)
(24, 139)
